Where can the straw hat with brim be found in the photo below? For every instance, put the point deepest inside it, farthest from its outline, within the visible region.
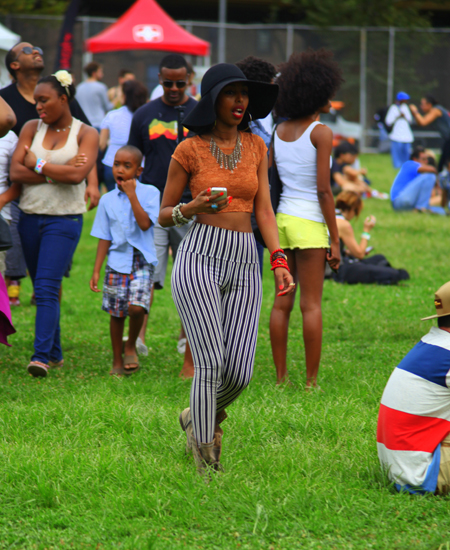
(441, 302)
(262, 97)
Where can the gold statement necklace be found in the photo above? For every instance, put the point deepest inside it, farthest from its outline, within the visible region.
(229, 162)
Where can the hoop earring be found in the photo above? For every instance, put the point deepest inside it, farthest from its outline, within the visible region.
(251, 120)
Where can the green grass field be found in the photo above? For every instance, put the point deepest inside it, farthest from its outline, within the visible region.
(91, 461)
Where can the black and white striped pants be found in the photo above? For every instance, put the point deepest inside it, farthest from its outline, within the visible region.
(216, 286)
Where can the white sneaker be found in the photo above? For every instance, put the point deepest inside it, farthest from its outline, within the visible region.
(379, 195)
(141, 348)
(181, 346)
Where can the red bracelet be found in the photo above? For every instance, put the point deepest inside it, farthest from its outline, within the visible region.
(275, 251)
(280, 262)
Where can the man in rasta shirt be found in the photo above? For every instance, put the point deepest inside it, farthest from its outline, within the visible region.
(156, 131)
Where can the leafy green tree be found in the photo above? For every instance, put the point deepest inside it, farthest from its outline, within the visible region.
(51, 7)
(374, 13)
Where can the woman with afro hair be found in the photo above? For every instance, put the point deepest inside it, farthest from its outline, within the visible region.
(305, 216)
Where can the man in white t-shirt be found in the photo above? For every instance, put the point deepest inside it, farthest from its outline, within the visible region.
(399, 117)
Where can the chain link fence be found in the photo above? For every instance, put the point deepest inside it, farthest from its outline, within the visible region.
(376, 62)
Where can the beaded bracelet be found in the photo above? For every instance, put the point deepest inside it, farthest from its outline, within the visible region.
(279, 262)
(178, 219)
(278, 253)
(40, 163)
(365, 235)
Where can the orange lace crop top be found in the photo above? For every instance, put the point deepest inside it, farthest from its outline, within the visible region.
(195, 157)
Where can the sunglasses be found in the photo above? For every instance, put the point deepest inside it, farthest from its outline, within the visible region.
(27, 50)
(179, 84)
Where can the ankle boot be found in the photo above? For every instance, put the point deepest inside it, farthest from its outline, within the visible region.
(191, 443)
(205, 454)
(210, 460)
(218, 434)
(186, 426)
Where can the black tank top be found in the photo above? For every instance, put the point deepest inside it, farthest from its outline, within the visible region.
(443, 122)
(340, 216)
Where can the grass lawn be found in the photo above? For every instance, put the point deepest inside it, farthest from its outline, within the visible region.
(91, 461)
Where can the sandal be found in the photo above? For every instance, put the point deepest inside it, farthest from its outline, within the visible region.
(117, 371)
(37, 369)
(314, 389)
(56, 364)
(131, 360)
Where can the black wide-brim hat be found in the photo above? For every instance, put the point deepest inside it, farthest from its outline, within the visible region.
(262, 96)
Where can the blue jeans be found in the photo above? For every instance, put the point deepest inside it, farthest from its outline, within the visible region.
(108, 178)
(400, 153)
(48, 244)
(416, 194)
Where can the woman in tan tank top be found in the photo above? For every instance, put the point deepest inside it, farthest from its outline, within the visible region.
(48, 168)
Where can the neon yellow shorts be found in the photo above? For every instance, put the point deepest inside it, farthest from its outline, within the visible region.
(300, 233)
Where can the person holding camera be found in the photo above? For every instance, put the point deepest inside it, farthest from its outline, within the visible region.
(435, 114)
(356, 267)
(398, 120)
(216, 284)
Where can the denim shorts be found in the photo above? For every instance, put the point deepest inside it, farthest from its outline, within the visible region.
(121, 289)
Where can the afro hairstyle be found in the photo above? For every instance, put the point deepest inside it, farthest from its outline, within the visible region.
(307, 82)
(257, 69)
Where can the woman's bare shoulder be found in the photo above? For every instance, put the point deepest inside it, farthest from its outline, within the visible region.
(86, 130)
(344, 225)
(30, 126)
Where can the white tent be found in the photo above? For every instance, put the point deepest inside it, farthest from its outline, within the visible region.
(8, 39)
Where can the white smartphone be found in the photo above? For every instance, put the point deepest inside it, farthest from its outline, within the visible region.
(217, 190)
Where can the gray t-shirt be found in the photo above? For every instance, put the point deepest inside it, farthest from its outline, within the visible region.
(93, 98)
(443, 122)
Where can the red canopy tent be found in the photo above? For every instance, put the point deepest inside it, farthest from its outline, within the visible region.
(146, 26)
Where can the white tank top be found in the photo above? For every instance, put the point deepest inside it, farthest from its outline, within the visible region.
(54, 199)
(297, 167)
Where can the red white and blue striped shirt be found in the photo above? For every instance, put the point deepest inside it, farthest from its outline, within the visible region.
(414, 414)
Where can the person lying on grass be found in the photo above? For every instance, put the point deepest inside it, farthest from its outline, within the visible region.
(413, 435)
(124, 224)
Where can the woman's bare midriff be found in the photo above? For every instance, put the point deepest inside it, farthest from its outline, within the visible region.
(233, 221)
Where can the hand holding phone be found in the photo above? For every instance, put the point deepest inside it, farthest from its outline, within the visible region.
(217, 190)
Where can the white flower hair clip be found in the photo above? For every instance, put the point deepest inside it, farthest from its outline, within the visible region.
(64, 78)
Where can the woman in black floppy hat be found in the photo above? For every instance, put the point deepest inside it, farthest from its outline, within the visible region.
(216, 283)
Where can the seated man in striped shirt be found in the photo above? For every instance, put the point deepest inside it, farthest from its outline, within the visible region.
(414, 419)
